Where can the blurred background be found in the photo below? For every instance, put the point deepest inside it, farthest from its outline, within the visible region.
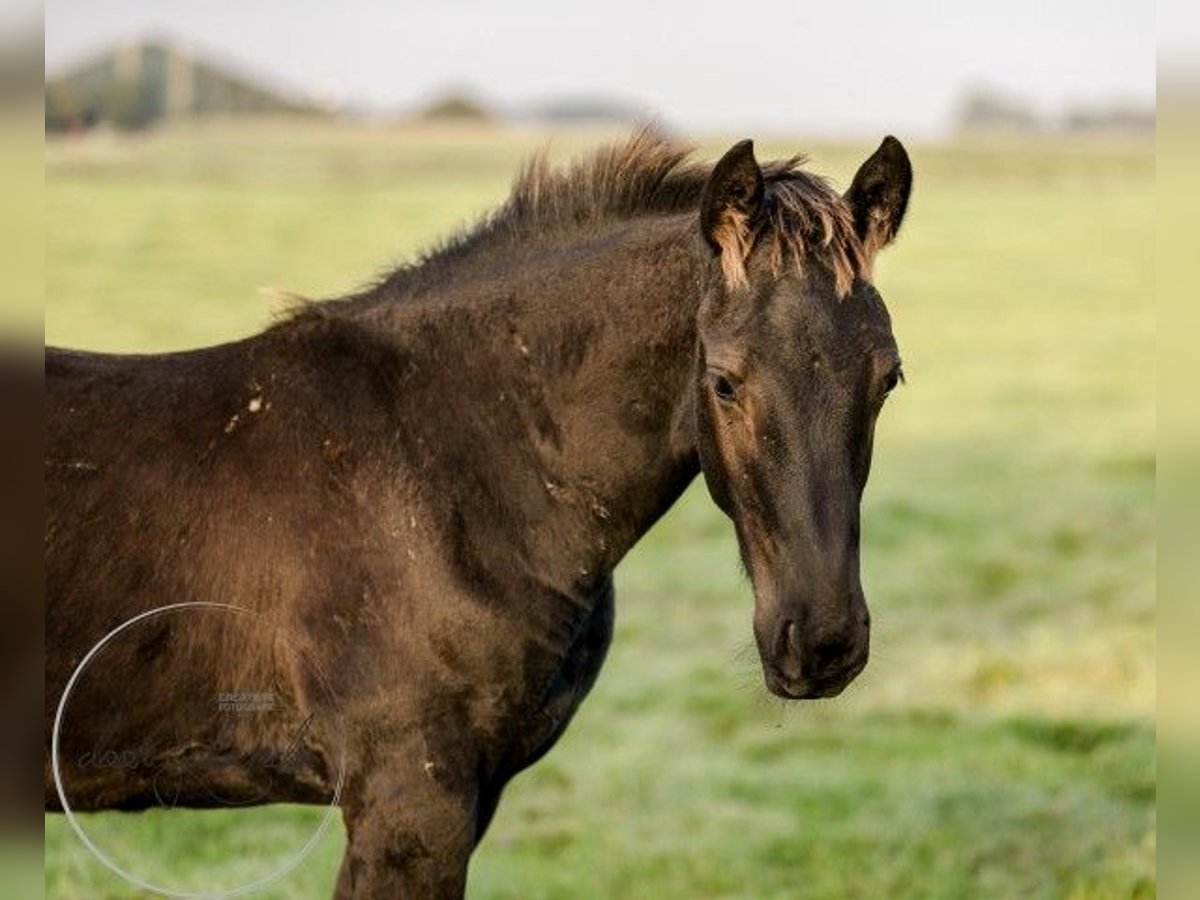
(201, 159)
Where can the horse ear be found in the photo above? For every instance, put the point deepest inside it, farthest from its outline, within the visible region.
(732, 198)
(878, 196)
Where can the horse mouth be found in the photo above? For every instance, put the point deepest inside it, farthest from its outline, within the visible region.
(788, 688)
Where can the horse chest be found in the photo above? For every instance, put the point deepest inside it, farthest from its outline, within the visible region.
(572, 681)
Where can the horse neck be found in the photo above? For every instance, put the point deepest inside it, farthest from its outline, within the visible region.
(586, 354)
(625, 408)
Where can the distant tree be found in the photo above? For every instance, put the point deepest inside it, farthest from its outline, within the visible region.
(983, 109)
(456, 107)
(63, 108)
(1113, 118)
(135, 86)
(589, 110)
(130, 107)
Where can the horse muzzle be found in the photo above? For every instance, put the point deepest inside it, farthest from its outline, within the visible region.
(806, 664)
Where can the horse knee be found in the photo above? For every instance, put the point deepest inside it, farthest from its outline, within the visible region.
(408, 842)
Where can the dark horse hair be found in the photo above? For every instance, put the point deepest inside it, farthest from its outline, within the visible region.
(647, 175)
(414, 497)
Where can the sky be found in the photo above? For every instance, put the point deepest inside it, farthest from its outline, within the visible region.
(826, 67)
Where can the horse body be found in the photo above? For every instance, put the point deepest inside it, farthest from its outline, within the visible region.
(382, 491)
(426, 487)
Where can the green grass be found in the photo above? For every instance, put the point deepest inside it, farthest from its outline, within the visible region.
(1002, 741)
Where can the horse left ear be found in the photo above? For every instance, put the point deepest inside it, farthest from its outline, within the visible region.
(878, 197)
(731, 201)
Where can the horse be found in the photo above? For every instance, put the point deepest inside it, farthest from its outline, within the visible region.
(427, 483)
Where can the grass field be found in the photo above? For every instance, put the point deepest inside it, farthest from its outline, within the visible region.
(1002, 741)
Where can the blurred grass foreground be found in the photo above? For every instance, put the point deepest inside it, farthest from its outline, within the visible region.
(1002, 741)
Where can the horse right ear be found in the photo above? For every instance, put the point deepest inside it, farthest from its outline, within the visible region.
(878, 197)
(731, 201)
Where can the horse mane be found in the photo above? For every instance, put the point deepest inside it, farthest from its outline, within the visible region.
(646, 175)
(649, 175)
(642, 176)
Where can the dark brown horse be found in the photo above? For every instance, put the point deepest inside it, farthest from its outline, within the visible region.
(425, 488)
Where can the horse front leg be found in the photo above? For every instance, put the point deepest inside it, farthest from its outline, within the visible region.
(410, 832)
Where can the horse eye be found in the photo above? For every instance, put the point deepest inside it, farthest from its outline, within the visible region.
(723, 387)
(894, 378)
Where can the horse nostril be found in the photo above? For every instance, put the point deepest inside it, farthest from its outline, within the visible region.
(835, 647)
(791, 636)
(788, 655)
(830, 652)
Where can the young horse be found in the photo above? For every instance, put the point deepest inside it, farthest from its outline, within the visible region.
(429, 483)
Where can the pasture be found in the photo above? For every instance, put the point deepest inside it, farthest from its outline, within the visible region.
(1001, 743)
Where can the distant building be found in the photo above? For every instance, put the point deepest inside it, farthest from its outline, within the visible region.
(140, 84)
